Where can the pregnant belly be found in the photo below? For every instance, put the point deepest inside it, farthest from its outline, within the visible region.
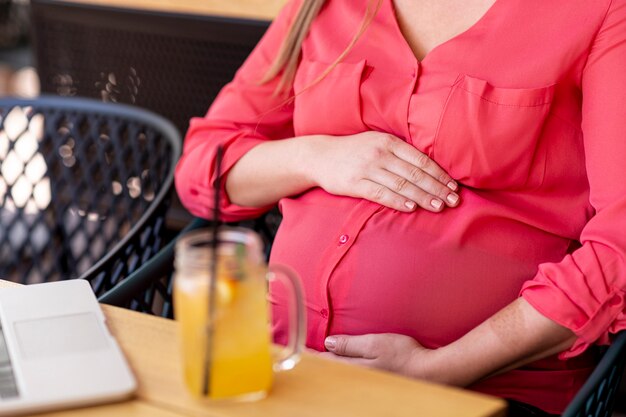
(434, 293)
(432, 277)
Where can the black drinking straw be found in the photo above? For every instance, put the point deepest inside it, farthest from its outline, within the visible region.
(208, 356)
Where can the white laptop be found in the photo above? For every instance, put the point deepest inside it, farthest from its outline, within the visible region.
(56, 351)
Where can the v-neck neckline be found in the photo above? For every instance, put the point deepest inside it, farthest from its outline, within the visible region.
(391, 9)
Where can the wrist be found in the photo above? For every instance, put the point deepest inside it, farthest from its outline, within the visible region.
(441, 365)
(308, 160)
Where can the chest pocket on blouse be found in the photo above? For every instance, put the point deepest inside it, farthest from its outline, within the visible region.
(333, 105)
(489, 137)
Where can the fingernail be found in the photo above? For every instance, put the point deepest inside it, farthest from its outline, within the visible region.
(409, 204)
(452, 185)
(330, 343)
(452, 198)
(436, 203)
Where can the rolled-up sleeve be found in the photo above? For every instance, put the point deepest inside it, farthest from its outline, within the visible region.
(244, 114)
(586, 291)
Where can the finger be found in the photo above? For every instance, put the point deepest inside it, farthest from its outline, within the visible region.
(405, 175)
(361, 346)
(427, 193)
(382, 192)
(420, 160)
(382, 195)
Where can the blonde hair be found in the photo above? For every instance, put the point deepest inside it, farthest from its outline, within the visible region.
(289, 52)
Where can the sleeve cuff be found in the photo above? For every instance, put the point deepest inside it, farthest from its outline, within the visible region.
(195, 181)
(595, 328)
(234, 152)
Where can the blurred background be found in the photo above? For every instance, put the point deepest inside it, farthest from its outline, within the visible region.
(18, 76)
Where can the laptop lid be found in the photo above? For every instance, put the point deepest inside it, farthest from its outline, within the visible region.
(56, 351)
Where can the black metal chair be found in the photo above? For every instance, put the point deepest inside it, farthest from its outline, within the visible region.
(597, 396)
(84, 189)
(157, 272)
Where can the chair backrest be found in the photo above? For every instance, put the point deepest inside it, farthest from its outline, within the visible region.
(84, 189)
(155, 275)
(597, 396)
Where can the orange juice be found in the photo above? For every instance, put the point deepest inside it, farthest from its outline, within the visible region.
(240, 364)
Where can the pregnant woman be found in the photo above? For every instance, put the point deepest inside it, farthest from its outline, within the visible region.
(451, 179)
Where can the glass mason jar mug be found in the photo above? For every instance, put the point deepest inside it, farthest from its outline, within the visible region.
(224, 320)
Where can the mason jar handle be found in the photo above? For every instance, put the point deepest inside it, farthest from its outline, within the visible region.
(290, 355)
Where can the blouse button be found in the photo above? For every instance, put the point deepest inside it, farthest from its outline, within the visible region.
(324, 313)
(343, 239)
(193, 191)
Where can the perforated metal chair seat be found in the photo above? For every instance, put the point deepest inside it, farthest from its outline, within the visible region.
(84, 189)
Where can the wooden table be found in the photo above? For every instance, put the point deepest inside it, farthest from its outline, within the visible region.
(316, 387)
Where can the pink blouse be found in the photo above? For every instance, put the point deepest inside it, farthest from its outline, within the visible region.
(526, 109)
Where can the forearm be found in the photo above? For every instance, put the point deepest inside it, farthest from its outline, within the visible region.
(269, 172)
(375, 166)
(514, 336)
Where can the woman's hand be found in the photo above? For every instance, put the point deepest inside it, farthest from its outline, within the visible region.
(392, 352)
(381, 168)
(514, 336)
